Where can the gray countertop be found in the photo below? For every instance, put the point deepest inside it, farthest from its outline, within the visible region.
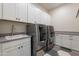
(12, 38)
(67, 33)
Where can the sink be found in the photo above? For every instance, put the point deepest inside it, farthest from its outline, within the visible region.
(8, 37)
(15, 36)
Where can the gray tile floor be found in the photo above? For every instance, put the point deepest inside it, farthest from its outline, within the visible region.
(56, 48)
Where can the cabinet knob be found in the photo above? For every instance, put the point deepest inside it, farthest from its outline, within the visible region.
(21, 46)
(17, 18)
(71, 39)
(18, 47)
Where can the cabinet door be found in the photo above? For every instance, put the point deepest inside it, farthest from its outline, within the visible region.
(66, 41)
(13, 51)
(32, 10)
(75, 43)
(38, 16)
(58, 40)
(48, 19)
(0, 10)
(11, 48)
(9, 11)
(26, 12)
(21, 11)
(44, 18)
(0, 49)
(26, 47)
(40, 19)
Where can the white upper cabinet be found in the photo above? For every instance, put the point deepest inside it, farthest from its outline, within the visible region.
(9, 11)
(23, 12)
(48, 19)
(0, 10)
(40, 17)
(26, 11)
(21, 9)
(15, 11)
(31, 13)
(44, 18)
(34, 14)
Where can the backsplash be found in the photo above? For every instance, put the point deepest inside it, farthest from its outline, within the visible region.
(6, 27)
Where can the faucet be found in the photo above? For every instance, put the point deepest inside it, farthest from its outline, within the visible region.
(12, 29)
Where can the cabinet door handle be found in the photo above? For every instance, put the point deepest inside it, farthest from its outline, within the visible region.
(17, 18)
(71, 39)
(21, 46)
(18, 47)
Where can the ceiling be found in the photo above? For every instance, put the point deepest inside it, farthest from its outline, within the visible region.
(50, 6)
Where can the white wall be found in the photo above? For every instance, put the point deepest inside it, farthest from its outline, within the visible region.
(64, 18)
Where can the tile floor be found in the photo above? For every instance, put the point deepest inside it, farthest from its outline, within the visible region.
(61, 51)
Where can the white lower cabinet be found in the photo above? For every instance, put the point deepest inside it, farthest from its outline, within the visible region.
(0, 49)
(68, 41)
(17, 48)
(63, 40)
(26, 48)
(14, 51)
(58, 40)
(75, 43)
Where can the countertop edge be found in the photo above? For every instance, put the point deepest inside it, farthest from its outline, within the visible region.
(14, 39)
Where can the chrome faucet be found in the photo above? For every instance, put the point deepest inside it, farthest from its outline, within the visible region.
(12, 29)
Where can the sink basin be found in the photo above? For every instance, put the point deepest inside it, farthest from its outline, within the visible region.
(15, 36)
(8, 37)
